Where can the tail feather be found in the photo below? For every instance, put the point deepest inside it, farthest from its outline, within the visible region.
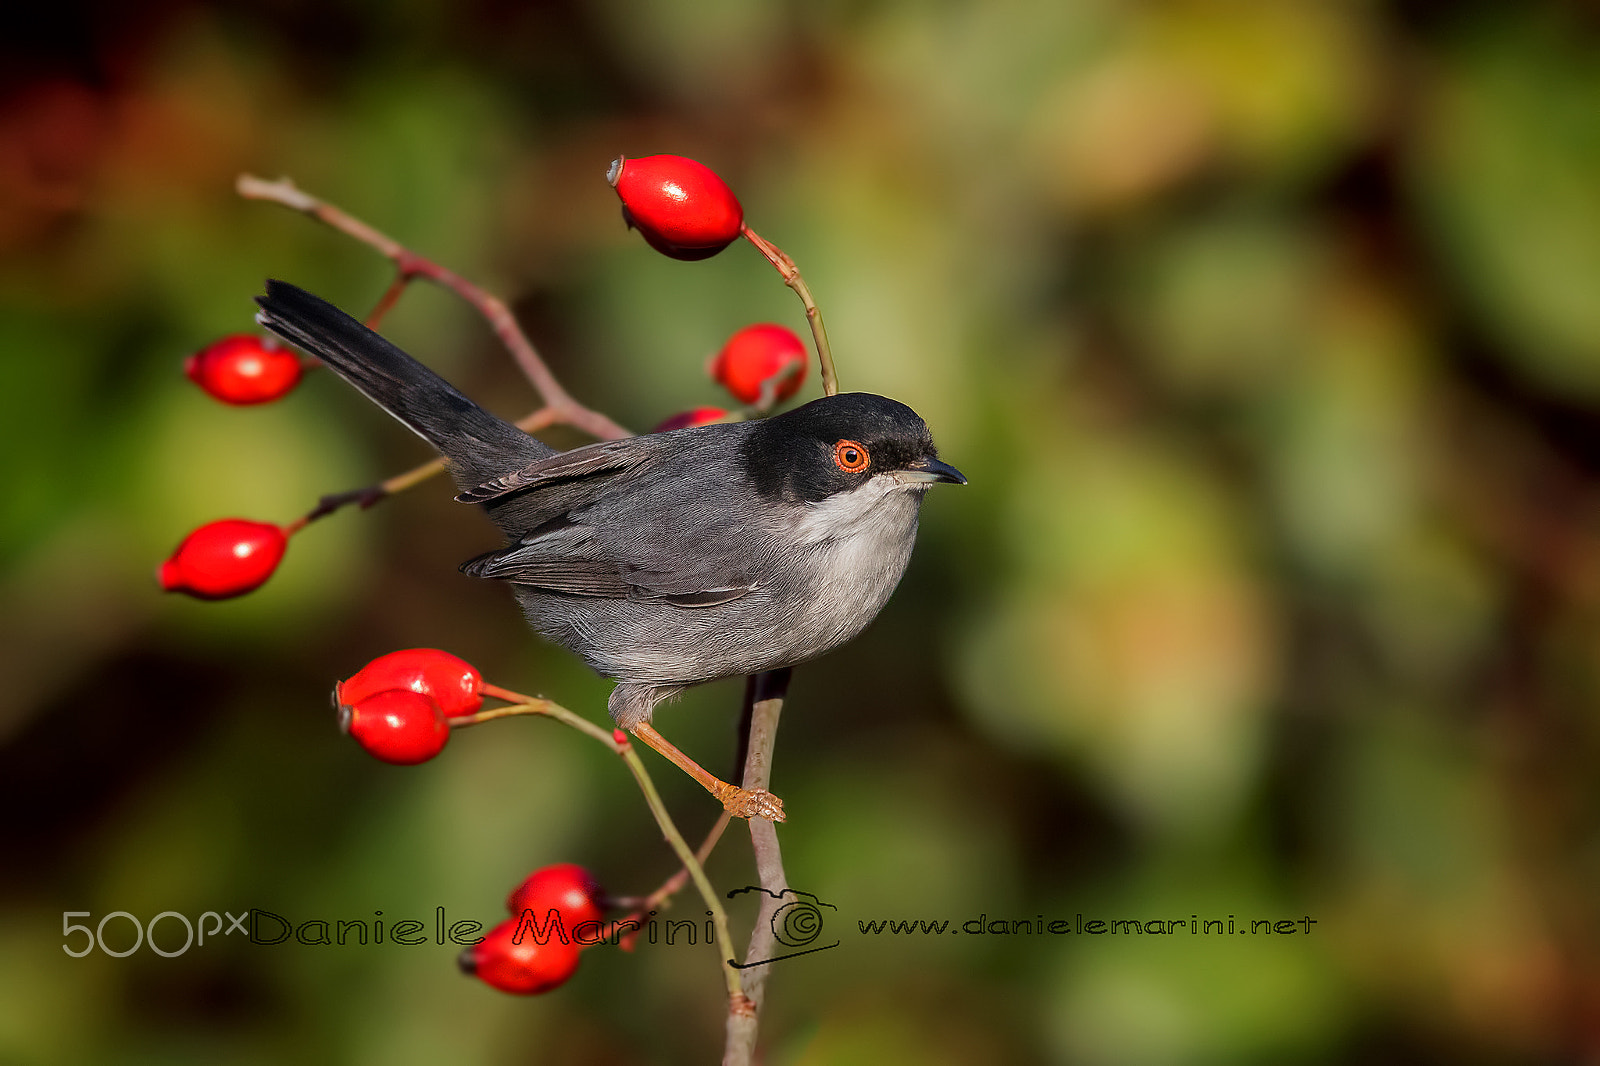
(478, 445)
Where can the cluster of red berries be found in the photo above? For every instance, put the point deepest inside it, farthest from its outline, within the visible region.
(685, 211)
(537, 948)
(398, 707)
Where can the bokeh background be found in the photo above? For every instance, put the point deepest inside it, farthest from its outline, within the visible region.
(1268, 334)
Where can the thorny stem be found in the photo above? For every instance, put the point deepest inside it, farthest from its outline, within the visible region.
(642, 906)
(559, 406)
(791, 277)
(370, 494)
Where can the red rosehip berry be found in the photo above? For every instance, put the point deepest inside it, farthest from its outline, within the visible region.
(398, 726)
(454, 684)
(699, 416)
(526, 969)
(223, 559)
(245, 369)
(761, 359)
(681, 207)
(567, 887)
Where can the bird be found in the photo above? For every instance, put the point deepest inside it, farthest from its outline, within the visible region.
(668, 559)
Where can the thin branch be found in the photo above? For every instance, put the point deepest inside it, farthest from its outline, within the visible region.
(641, 909)
(764, 695)
(697, 873)
(640, 905)
(520, 704)
(368, 495)
(671, 886)
(386, 302)
(409, 265)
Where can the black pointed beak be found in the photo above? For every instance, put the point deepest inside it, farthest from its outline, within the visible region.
(933, 471)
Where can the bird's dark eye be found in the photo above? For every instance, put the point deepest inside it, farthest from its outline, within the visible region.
(850, 456)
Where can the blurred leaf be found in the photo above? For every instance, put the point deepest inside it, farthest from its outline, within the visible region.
(1129, 633)
(1507, 175)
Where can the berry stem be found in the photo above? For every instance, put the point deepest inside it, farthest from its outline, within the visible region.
(791, 277)
(674, 884)
(769, 388)
(640, 906)
(520, 704)
(386, 302)
(697, 874)
(410, 265)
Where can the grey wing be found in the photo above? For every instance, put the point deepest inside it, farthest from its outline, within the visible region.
(609, 457)
(604, 521)
(569, 557)
(543, 495)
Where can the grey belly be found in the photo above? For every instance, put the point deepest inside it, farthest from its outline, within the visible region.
(830, 591)
(659, 643)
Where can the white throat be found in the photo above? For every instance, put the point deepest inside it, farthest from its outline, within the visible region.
(882, 508)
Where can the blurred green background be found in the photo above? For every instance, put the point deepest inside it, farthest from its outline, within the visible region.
(1268, 334)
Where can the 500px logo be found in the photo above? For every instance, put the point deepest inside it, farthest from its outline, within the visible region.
(193, 932)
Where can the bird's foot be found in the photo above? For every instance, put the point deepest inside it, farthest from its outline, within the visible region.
(749, 802)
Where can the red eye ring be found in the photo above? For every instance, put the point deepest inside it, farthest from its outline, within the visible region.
(851, 456)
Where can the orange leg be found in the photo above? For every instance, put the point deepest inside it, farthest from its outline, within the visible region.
(739, 802)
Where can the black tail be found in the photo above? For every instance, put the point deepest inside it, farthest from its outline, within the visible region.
(478, 445)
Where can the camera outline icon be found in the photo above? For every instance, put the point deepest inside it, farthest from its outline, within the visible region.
(796, 922)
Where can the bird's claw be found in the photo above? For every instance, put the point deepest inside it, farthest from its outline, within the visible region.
(751, 803)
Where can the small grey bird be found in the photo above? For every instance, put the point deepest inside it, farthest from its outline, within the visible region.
(675, 558)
